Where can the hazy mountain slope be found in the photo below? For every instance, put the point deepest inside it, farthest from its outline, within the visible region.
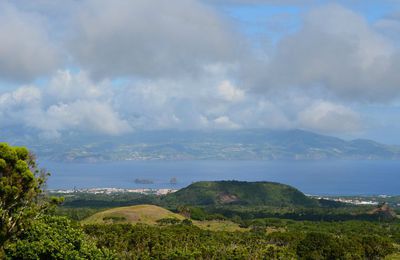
(256, 144)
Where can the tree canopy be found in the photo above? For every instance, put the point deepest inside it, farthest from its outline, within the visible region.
(27, 231)
(20, 189)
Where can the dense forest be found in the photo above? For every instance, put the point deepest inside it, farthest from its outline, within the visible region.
(207, 220)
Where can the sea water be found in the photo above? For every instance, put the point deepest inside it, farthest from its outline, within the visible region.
(311, 177)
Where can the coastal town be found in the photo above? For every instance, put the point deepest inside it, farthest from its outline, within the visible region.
(393, 201)
(146, 191)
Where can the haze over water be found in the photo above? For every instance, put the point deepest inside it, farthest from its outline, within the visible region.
(311, 177)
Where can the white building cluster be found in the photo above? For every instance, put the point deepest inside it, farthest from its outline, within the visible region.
(115, 190)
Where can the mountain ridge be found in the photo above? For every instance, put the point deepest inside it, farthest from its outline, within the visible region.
(244, 144)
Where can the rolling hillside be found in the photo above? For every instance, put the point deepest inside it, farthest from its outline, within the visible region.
(146, 214)
(150, 214)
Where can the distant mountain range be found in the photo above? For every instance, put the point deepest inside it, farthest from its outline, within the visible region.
(256, 144)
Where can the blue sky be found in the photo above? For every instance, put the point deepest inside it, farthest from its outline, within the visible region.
(114, 67)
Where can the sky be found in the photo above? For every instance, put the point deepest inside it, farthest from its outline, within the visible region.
(116, 67)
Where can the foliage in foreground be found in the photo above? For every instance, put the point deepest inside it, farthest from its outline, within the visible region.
(20, 188)
(53, 237)
(26, 229)
(184, 241)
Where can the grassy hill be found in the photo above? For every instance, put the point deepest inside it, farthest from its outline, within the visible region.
(150, 214)
(239, 193)
(147, 214)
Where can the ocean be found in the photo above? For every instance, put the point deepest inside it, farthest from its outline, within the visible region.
(310, 177)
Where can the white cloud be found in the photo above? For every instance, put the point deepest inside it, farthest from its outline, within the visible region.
(328, 117)
(71, 102)
(336, 51)
(65, 86)
(150, 39)
(229, 92)
(182, 66)
(102, 108)
(225, 122)
(24, 96)
(26, 50)
(262, 113)
(92, 116)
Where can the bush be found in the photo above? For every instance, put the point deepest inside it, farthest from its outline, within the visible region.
(168, 221)
(54, 238)
(319, 246)
(114, 218)
(377, 247)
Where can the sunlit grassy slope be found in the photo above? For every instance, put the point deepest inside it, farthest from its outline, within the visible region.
(149, 214)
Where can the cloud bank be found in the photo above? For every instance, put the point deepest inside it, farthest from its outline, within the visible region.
(336, 50)
(61, 106)
(113, 67)
(150, 39)
(26, 50)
